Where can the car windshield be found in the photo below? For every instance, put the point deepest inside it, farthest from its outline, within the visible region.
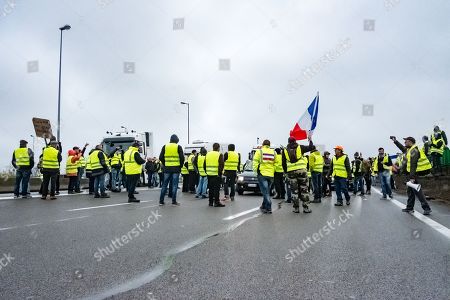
(248, 166)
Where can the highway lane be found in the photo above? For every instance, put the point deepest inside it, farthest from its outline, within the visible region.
(195, 251)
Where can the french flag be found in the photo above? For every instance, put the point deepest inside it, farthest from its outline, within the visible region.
(307, 123)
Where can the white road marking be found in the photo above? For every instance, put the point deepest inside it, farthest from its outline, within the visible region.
(232, 217)
(68, 219)
(103, 206)
(34, 224)
(430, 222)
(7, 228)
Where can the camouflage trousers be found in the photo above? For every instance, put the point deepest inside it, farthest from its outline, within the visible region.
(298, 181)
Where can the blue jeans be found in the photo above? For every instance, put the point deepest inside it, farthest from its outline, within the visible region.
(202, 186)
(340, 185)
(317, 184)
(150, 179)
(175, 177)
(385, 180)
(358, 184)
(265, 183)
(99, 184)
(22, 180)
(79, 176)
(116, 177)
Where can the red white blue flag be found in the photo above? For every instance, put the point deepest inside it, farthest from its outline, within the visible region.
(307, 123)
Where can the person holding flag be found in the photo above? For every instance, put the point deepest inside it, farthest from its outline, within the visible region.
(294, 164)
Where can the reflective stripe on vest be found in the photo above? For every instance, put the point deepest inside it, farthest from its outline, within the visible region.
(267, 161)
(22, 157)
(232, 162)
(81, 162)
(200, 164)
(95, 161)
(190, 164)
(50, 158)
(172, 159)
(71, 168)
(130, 164)
(299, 164)
(423, 163)
(212, 163)
(339, 168)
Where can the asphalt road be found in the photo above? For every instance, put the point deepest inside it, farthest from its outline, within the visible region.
(368, 250)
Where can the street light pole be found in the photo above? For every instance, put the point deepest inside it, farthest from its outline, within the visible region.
(65, 27)
(187, 103)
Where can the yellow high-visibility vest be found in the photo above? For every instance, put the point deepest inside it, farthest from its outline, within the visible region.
(130, 164)
(184, 170)
(422, 165)
(339, 168)
(278, 164)
(316, 162)
(212, 163)
(232, 162)
(297, 165)
(200, 164)
(385, 161)
(190, 164)
(71, 168)
(435, 141)
(88, 164)
(265, 160)
(50, 158)
(81, 163)
(22, 157)
(116, 159)
(95, 161)
(171, 156)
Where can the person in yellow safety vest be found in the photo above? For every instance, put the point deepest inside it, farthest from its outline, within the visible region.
(51, 158)
(99, 167)
(264, 167)
(316, 168)
(417, 164)
(232, 163)
(72, 170)
(23, 162)
(81, 166)
(199, 162)
(214, 169)
(295, 167)
(278, 176)
(437, 147)
(382, 167)
(357, 172)
(116, 169)
(185, 176)
(341, 171)
(172, 158)
(89, 173)
(132, 162)
(192, 172)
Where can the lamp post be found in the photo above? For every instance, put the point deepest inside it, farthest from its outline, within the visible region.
(187, 103)
(33, 141)
(65, 27)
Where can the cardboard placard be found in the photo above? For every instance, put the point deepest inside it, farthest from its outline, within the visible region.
(42, 127)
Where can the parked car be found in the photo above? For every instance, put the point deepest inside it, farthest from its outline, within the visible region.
(247, 181)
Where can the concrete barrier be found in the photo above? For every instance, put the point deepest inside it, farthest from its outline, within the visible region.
(7, 185)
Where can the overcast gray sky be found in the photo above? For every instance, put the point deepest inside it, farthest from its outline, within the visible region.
(392, 54)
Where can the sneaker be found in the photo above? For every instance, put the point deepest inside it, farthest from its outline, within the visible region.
(383, 198)
(197, 196)
(175, 204)
(136, 192)
(97, 196)
(390, 196)
(53, 198)
(70, 192)
(427, 212)
(268, 211)
(306, 210)
(27, 197)
(161, 204)
(105, 196)
(78, 192)
(44, 197)
(232, 198)
(16, 196)
(296, 210)
(369, 193)
(347, 202)
(408, 210)
(219, 205)
(338, 204)
(210, 204)
(57, 193)
(133, 200)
